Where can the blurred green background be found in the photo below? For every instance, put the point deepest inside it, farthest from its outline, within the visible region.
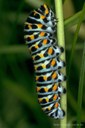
(18, 99)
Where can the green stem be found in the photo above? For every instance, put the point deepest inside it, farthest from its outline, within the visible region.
(61, 42)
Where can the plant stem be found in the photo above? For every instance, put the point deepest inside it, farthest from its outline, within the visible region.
(61, 42)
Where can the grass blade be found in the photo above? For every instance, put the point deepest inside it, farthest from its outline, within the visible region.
(75, 39)
(80, 90)
(72, 20)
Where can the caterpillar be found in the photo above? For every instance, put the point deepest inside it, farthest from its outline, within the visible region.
(39, 35)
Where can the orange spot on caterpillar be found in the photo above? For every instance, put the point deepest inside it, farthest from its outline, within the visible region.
(38, 89)
(42, 34)
(47, 99)
(45, 41)
(36, 46)
(37, 78)
(32, 37)
(42, 17)
(29, 26)
(50, 50)
(44, 66)
(56, 105)
(55, 97)
(45, 78)
(49, 108)
(41, 55)
(46, 9)
(53, 62)
(55, 87)
(54, 75)
(46, 89)
(39, 25)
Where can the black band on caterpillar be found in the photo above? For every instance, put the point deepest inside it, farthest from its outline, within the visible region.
(39, 30)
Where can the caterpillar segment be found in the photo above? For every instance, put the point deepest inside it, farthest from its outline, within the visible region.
(33, 37)
(42, 15)
(45, 54)
(50, 77)
(48, 99)
(52, 88)
(39, 35)
(45, 10)
(40, 45)
(48, 65)
(38, 27)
